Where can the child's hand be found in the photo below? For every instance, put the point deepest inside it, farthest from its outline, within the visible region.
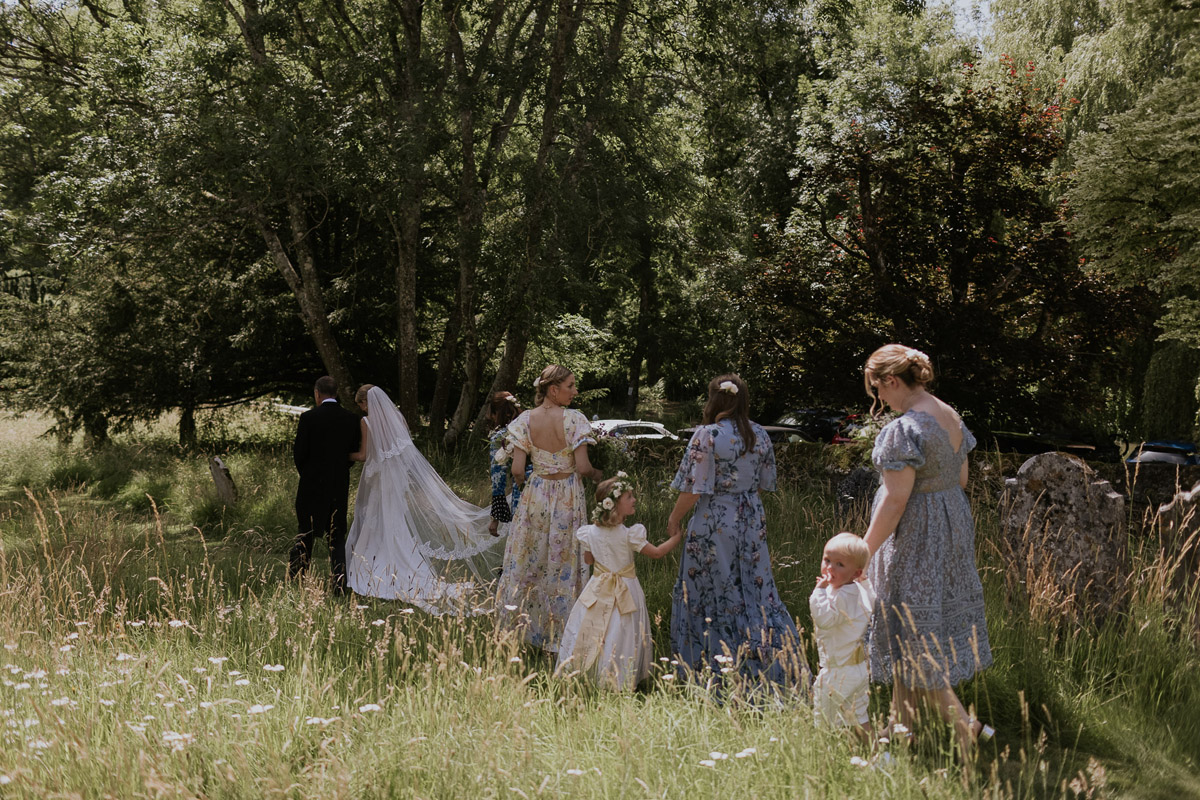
(822, 581)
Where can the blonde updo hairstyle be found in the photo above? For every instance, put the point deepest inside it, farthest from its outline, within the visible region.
(906, 363)
(608, 518)
(552, 375)
(360, 396)
(730, 404)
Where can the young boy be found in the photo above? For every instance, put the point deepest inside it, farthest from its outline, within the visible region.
(841, 607)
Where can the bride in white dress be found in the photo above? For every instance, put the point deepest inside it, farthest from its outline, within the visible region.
(412, 538)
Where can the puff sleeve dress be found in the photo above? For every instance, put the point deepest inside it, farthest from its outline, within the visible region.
(928, 624)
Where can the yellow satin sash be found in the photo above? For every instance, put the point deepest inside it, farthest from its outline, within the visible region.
(604, 592)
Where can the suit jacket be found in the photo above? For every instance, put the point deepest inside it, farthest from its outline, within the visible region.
(325, 438)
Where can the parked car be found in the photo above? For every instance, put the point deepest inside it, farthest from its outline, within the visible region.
(1034, 443)
(631, 429)
(777, 433)
(814, 424)
(1180, 453)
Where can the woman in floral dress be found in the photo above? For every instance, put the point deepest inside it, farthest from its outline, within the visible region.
(928, 632)
(725, 602)
(543, 562)
(502, 410)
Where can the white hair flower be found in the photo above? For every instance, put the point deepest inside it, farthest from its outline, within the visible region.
(608, 504)
(728, 386)
(913, 354)
(537, 381)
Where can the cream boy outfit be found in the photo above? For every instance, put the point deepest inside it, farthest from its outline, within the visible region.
(840, 617)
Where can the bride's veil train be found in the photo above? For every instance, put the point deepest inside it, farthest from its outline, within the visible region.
(413, 538)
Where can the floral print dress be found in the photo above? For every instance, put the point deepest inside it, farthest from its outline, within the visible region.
(543, 562)
(503, 503)
(928, 623)
(725, 601)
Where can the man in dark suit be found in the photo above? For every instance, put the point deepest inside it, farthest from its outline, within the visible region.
(325, 438)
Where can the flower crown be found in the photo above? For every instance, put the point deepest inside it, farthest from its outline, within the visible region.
(610, 502)
(728, 386)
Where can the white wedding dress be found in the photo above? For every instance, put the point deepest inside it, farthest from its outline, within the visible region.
(412, 538)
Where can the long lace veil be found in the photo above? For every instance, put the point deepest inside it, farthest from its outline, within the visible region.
(451, 533)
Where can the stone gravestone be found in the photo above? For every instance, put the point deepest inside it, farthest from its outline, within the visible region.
(224, 482)
(1065, 534)
(1179, 536)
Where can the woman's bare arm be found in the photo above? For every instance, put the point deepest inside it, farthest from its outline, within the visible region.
(518, 467)
(361, 455)
(583, 464)
(893, 498)
(683, 506)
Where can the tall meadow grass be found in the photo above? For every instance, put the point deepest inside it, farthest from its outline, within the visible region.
(153, 648)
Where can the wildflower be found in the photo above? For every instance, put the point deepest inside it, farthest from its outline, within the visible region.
(515, 660)
(749, 751)
(707, 762)
(21, 686)
(5, 780)
(899, 728)
(718, 756)
(72, 636)
(218, 660)
(176, 741)
(378, 622)
(273, 667)
(406, 611)
(36, 674)
(574, 772)
(177, 623)
(199, 670)
(10, 646)
(62, 671)
(104, 702)
(206, 704)
(124, 657)
(510, 608)
(233, 673)
(136, 623)
(258, 709)
(38, 744)
(135, 727)
(66, 648)
(242, 682)
(774, 739)
(858, 761)
(370, 707)
(360, 608)
(668, 677)
(62, 701)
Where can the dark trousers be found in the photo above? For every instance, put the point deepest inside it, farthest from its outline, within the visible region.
(327, 520)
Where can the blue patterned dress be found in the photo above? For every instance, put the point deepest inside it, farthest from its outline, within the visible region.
(504, 505)
(725, 601)
(928, 623)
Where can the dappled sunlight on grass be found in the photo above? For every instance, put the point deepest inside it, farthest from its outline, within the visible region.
(153, 646)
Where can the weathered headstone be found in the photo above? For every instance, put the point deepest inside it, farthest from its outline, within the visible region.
(1065, 532)
(1179, 537)
(223, 480)
(857, 489)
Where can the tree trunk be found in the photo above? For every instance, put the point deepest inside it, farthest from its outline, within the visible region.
(306, 287)
(406, 231)
(187, 427)
(645, 280)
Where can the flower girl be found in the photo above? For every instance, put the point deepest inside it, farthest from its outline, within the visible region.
(607, 636)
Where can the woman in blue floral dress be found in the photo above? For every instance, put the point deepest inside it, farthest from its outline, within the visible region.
(502, 410)
(725, 602)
